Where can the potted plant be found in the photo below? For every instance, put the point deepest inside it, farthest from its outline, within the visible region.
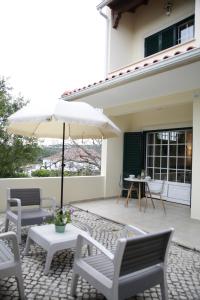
(61, 218)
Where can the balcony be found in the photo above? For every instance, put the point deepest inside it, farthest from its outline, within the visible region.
(155, 58)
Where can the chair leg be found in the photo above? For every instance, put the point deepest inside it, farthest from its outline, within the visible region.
(19, 232)
(6, 225)
(145, 203)
(152, 203)
(163, 205)
(150, 195)
(20, 284)
(164, 288)
(74, 284)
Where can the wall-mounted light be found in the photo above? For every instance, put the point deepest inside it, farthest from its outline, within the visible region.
(168, 6)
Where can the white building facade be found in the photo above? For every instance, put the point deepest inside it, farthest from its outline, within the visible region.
(152, 92)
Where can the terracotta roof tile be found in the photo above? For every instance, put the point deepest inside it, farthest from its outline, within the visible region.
(135, 68)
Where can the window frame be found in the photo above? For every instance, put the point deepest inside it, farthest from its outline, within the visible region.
(176, 40)
(156, 158)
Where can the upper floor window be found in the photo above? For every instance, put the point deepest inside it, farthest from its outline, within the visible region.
(170, 36)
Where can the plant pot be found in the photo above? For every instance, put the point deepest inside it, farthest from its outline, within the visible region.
(60, 228)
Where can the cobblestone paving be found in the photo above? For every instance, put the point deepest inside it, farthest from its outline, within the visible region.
(183, 269)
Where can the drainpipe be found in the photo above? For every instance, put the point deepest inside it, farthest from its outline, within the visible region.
(106, 42)
(104, 150)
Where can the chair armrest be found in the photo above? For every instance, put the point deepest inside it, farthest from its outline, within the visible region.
(12, 236)
(18, 202)
(52, 199)
(15, 200)
(134, 229)
(83, 239)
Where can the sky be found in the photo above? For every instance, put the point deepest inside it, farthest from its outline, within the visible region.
(49, 46)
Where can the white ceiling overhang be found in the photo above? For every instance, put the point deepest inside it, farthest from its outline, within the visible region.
(177, 75)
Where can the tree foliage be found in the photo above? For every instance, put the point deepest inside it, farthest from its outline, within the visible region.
(15, 151)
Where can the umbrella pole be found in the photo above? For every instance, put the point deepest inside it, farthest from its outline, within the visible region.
(63, 165)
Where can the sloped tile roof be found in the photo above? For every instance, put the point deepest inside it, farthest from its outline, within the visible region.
(128, 70)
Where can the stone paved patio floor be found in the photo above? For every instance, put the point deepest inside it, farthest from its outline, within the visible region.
(183, 269)
(177, 216)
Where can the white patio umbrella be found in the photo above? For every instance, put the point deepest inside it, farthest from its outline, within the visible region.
(62, 119)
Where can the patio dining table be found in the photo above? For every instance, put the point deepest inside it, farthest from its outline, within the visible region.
(139, 181)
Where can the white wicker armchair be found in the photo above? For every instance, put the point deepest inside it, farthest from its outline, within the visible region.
(137, 264)
(10, 263)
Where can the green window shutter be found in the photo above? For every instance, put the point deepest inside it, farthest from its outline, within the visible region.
(168, 38)
(152, 44)
(133, 157)
(133, 160)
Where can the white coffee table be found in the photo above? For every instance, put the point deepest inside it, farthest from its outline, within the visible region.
(51, 241)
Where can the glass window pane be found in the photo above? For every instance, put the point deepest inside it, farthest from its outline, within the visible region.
(189, 149)
(185, 32)
(181, 163)
(150, 139)
(181, 150)
(181, 138)
(158, 138)
(189, 137)
(150, 150)
(157, 174)
(172, 162)
(150, 172)
(157, 162)
(163, 174)
(149, 161)
(164, 137)
(172, 150)
(180, 176)
(189, 163)
(164, 150)
(172, 175)
(188, 176)
(164, 162)
(157, 150)
(173, 137)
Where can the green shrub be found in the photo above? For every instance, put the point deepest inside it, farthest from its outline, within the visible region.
(41, 173)
(20, 174)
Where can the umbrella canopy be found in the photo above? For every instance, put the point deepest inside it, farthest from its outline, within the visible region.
(62, 120)
(81, 119)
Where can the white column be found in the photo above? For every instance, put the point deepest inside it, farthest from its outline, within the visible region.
(112, 161)
(197, 22)
(195, 203)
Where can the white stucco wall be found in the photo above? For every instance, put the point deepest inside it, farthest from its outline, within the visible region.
(197, 22)
(76, 188)
(169, 117)
(195, 203)
(127, 41)
(112, 162)
(174, 116)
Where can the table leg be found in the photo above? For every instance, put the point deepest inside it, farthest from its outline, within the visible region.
(27, 247)
(129, 194)
(139, 192)
(49, 258)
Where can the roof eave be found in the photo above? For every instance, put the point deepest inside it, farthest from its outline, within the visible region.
(170, 63)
